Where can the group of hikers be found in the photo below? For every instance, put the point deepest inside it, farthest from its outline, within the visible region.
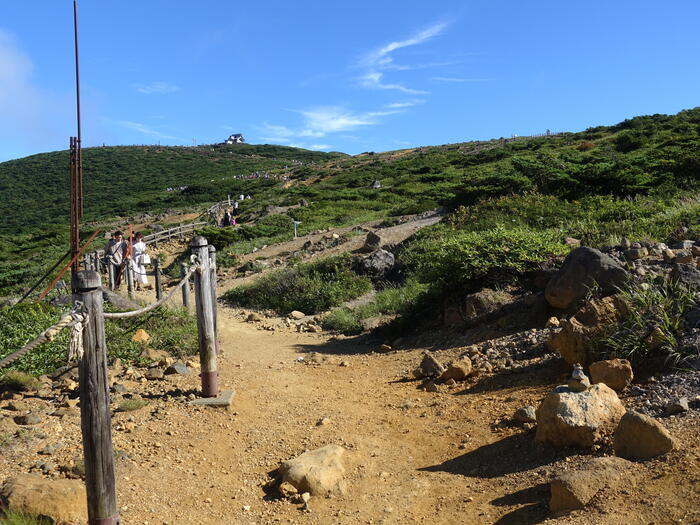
(123, 255)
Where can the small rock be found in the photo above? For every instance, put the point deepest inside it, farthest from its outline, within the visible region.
(430, 366)
(319, 472)
(457, 370)
(430, 386)
(323, 421)
(305, 497)
(118, 388)
(296, 314)
(525, 414)
(50, 450)
(641, 437)
(678, 406)
(177, 368)
(28, 419)
(154, 374)
(253, 318)
(684, 257)
(552, 322)
(616, 373)
(384, 348)
(287, 490)
(141, 337)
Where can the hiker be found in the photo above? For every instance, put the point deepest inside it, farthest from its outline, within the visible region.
(115, 255)
(139, 260)
(226, 221)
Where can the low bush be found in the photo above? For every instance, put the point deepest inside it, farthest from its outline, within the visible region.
(16, 381)
(311, 288)
(10, 517)
(129, 405)
(652, 325)
(450, 258)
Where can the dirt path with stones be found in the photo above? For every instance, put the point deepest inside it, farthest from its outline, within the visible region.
(412, 456)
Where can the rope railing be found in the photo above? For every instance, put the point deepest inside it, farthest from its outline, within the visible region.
(134, 313)
(74, 318)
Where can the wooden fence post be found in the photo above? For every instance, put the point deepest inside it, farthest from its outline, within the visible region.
(110, 274)
(129, 279)
(156, 271)
(95, 418)
(205, 318)
(212, 280)
(185, 287)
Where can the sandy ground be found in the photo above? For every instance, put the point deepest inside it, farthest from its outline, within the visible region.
(412, 456)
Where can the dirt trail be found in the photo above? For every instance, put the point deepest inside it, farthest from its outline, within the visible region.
(412, 456)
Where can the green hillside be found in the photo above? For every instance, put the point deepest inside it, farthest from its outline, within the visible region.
(588, 184)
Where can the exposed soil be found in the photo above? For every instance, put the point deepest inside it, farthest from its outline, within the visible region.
(412, 456)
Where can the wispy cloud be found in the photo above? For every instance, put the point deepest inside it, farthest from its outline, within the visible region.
(405, 104)
(145, 130)
(457, 79)
(157, 88)
(320, 121)
(373, 79)
(381, 57)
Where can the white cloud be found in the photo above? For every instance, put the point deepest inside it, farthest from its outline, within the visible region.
(382, 57)
(31, 118)
(145, 130)
(458, 79)
(156, 88)
(405, 104)
(373, 79)
(320, 146)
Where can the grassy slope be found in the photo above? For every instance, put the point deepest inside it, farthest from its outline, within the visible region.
(657, 155)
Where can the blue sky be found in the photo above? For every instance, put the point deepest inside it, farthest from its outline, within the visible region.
(345, 76)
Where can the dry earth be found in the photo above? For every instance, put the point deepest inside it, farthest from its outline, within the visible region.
(413, 456)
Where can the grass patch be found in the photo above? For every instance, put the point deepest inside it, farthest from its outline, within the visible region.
(10, 517)
(129, 405)
(652, 324)
(310, 287)
(17, 381)
(171, 330)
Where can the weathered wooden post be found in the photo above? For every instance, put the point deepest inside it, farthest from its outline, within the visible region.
(156, 271)
(95, 420)
(185, 287)
(212, 281)
(129, 279)
(205, 318)
(110, 275)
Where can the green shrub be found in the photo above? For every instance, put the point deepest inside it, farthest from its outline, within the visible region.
(16, 381)
(10, 517)
(129, 405)
(342, 320)
(311, 288)
(451, 258)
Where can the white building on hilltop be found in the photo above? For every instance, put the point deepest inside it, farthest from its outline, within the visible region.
(236, 138)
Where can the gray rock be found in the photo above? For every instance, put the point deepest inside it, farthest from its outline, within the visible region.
(379, 264)
(678, 406)
(372, 242)
(686, 275)
(635, 253)
(581, 269)
(154, 374)
(430, 366)
(28, 419)
(177, 368)
(118, 388)
(684, 245)
(319, 472)
(684, 257)
(526, 414)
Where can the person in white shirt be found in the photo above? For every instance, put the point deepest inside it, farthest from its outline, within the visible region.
(139, 259)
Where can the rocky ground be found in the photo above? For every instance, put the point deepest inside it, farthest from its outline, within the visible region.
(451, 454)
(430, 428)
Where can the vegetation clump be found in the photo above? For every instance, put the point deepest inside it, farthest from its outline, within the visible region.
(309, 287)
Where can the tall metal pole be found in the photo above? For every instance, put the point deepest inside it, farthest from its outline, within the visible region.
(76, 164)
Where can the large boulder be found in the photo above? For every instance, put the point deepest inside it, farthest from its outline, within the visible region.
(639, 436)
(379, 264)
(63, 501)
(686, 275)
(319, 472)
(616, 373)
(578, 419)
(572, 342)
(584, 268)
(575, 489)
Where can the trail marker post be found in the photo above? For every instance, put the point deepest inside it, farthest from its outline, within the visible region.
(156, 270)
(206, 326)
(95, 417)
(129, 279)
(296, 223)
(185, 287)
(212, 282)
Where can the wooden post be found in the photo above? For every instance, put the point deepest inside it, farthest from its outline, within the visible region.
(95, 420)
(185, 287)
(156, 271)
(86, 262)
(212, 281)
(205, 318)
(129, 279)
(110, 274)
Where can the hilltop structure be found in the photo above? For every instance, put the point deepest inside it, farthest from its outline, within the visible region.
(236, 138)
